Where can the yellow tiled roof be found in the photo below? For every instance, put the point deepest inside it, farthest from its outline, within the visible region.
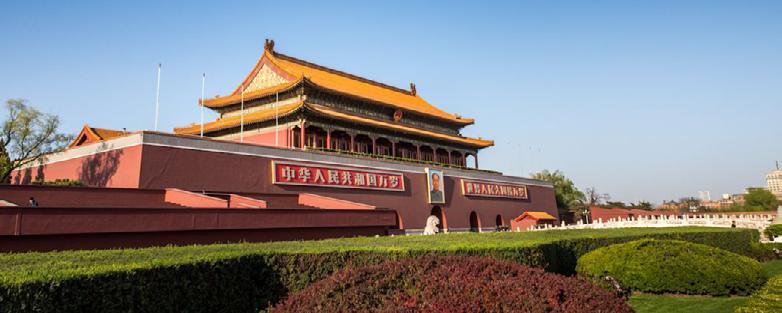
(95, 134)
(536, 215)
(236, 98)
(233, 121)
(106, 134)
(339, 82)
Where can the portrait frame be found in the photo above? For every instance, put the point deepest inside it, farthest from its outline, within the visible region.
(432, 195)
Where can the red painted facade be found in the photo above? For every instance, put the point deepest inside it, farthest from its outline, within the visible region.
(188, 163)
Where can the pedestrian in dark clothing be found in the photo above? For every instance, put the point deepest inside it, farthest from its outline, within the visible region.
(33, 202)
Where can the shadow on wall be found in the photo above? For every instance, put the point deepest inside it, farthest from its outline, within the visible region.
(26, 177)
(97, 169)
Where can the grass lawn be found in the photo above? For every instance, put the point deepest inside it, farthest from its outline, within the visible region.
(773, 268)
(696, 304)
(692, 304)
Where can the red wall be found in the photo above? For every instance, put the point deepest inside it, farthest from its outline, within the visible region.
(160, 167)
(40, 229)
(84, 197)
(115, 168)
(267, 139)
(193, 200)
(167, 167)
(609, 213)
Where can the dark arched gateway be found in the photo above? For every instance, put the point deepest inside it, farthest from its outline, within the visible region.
(475, 223)
(440, 213)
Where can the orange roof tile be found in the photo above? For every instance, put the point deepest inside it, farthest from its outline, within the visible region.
(481, 143)
(536, 215)
(93, 134)
(106, 134)
(340, 82)
(236, 98)
(233, 121)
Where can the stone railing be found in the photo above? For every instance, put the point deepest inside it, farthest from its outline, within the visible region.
(751, 221)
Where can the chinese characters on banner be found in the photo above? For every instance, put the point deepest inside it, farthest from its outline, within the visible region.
(292, 173)
(491, 189)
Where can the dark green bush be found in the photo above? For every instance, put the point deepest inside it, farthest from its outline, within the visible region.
(765, 251)
(672, 266)
(248, 277)
(452, 284)
(773, 230)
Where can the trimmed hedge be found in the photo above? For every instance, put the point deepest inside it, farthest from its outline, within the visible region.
(765, 251)
(672, 266)
(452, 284)
(773, 230)
(250, 276)
(767, 300)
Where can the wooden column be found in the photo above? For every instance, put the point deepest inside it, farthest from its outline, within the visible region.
(393, 148)
(476, 160)
(303, 136)
(374, 145)
(450, 162)
(328, 139)
(352, 143)
(418, 152)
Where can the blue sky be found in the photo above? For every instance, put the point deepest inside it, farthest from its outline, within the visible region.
(644, 100)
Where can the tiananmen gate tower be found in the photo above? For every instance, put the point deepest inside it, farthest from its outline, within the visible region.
(298, 148)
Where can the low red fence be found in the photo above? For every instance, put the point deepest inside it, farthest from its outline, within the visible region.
(43, 229)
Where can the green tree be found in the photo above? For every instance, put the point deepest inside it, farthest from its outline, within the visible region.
(616, 204)
(760, 199)
(27, 136)
(569, 198)
(642, 205)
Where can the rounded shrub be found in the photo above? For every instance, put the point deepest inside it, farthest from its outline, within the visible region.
(773, 231)
(672, 266)
(451, 284)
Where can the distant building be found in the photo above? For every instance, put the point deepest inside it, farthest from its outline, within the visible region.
(671, 205)
(774, 182)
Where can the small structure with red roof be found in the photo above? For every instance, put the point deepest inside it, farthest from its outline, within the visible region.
(529, 219)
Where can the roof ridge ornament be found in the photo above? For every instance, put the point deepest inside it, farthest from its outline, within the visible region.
(269, 45)
(412, 89)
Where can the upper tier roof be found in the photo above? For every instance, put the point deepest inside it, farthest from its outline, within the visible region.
(292, 71)
(284, 110)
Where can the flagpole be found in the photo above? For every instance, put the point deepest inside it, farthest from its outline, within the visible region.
(241, 119)
(157, 96)
(203, 82)
(277, 121)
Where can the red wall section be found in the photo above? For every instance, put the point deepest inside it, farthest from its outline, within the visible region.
(84, 197)
(239, 202)
(187, 169)
(30, 229)
(609, 213)
(523, 224)
(192, 199)
(322, 202)
(267, 139)
(115, 168)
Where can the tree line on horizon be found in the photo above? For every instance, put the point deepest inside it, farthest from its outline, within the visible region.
(573, 202)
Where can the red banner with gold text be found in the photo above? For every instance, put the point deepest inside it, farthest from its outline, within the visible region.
(492, 189)
(323, 175)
